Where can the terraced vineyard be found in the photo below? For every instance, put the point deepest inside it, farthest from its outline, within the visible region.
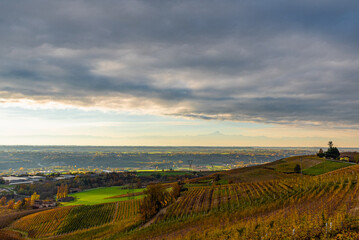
(69, 219)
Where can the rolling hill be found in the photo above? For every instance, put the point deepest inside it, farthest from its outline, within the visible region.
(269, 201)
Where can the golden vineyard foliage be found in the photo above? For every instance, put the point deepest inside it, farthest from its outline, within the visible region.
(301, 207)
(43, 223)
(66, 220)
(321, 207)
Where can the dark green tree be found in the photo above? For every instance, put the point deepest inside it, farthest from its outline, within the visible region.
(297, 168)
(320, 153)
(217, 178)
(332, 152)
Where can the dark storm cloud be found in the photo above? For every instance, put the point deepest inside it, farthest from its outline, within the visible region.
(270, 61)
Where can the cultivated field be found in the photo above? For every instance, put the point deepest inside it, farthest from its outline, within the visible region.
(103, 195)
(66, 220)
(288, 206)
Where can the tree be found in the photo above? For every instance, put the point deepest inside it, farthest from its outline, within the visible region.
(138, 183)
(10, 204)
(62, 191)
(156, 198)
(18, 205)
(34, 197)
(3, 201)
(176, 190)
(217, 178)
(332, 152)
(297, 168)
(26, 203)
(320, 153)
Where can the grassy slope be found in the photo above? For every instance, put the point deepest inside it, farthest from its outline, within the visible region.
(275, 170)
(287, 165)
(100, 195)
(324, 167)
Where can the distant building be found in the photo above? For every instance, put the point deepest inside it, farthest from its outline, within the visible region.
(348, 156)
(65, 176)
(22, 180)
(44, 203)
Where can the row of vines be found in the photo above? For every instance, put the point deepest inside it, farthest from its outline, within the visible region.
(69, 219)
(298, 208)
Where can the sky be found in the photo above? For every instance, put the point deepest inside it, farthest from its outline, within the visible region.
(179, 73)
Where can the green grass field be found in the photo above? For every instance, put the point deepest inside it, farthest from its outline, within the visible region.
(325, 167)
(287, 165)
(99, 195)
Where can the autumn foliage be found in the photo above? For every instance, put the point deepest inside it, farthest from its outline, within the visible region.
(156, 198)
(62, 191)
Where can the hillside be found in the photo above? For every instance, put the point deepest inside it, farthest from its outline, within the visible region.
(279, 204)
(280, 169)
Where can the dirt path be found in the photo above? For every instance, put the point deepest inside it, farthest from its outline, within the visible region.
(153, 220)
(158, 215)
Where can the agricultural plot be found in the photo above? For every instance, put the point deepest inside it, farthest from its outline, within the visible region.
(201, 200)
(73, 218)
(230, 196)
(42, 223)
(102, 195)
(324, 167)
(319, 207)
(299, 207)
(7, 217)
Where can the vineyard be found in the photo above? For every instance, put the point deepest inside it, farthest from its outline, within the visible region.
(233, 196)
(9, 216)
(43, 223)
(321, 207)
(298, 207)
(69, 219)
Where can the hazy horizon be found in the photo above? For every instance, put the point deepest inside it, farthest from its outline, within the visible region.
(183, 146)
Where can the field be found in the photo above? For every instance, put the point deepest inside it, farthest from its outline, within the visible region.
(66, 220)
(279, 169)
(321, 207)
(286, 206)
(102, 195)
(287, 165)
(324, 167)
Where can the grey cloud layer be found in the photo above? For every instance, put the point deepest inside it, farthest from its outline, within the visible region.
(270, 61)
